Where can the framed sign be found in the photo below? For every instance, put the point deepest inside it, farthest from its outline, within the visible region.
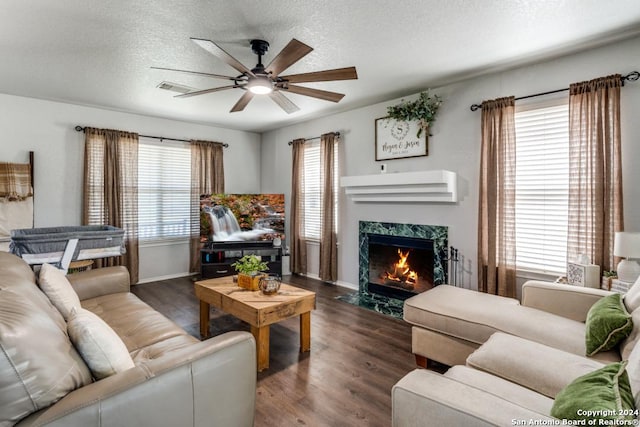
(397, 139)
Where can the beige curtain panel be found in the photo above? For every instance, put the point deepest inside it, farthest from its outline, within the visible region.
(111, 189)
(595, 172)
(496, 216)
(207, 177)
(298, 243)
(328, 237)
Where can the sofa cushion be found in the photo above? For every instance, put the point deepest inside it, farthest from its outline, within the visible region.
(14, 271)
(55, 285)
(38, 363)
(607, 324)
(161, 348)
(501, 388)
(135, 322)
(100, 347)
(604, 394)
(628, 344)
(530, 364)
(633, 370)
(459, 312)
(474, 316)
(632, 297)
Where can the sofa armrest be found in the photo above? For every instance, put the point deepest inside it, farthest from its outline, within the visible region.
(212, 382)
(426, 398)
(100, 281)
(568, 301)
(535, 366)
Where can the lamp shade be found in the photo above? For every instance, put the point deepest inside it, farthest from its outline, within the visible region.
(627, 244)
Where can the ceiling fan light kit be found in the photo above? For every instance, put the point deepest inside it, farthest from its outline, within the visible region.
(262, 80)
(260, 85)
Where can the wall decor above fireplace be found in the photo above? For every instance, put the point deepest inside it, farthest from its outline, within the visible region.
(397, 139)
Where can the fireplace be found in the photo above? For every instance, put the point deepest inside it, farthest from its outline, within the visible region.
(388, 249)
(400, 267)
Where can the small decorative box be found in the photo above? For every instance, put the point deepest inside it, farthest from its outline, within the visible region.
(583, 275)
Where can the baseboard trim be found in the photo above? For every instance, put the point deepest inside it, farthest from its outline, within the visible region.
(338, 283)
(167, 277)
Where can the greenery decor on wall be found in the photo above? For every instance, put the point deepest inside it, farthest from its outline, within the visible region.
(423, 109)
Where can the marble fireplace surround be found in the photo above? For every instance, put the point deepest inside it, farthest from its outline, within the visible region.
(382, 304)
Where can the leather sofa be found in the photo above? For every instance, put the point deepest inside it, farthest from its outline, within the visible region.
(508, 359)
(177, 380)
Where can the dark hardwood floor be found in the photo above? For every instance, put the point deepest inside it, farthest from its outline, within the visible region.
(356, 357)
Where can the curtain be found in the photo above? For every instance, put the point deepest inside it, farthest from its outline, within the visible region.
(496, 216)
(298, 243)
(207, 177)
(111, 189)
(328, 238)
(595, 172)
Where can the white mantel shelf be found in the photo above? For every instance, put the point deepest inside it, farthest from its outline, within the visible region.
(405, 187)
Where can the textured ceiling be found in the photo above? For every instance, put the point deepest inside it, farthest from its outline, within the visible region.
(99, 53)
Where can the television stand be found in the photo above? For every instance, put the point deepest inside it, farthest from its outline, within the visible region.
(216, 257)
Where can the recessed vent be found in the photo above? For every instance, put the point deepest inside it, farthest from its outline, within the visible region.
(175, 87)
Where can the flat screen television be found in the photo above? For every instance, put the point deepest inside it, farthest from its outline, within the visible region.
(241, 217)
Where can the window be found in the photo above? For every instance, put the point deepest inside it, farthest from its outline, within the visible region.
(164, 190)
(312, 190)
(542, 187)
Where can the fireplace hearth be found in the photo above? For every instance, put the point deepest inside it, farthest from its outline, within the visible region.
(398, 261)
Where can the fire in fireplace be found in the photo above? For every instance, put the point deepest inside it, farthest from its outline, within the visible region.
(402, 273)
(400, 267)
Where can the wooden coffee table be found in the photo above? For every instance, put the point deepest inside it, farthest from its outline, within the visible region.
(257, 310)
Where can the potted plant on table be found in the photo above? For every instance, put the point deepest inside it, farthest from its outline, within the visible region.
(250, 269)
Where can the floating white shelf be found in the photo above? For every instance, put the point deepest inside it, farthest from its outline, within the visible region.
(408, 187)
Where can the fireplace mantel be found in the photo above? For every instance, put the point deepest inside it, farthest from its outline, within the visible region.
(422, 186)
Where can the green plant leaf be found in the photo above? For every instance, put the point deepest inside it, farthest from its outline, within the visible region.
(423, 109)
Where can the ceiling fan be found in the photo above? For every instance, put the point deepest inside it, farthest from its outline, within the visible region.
(262, 80)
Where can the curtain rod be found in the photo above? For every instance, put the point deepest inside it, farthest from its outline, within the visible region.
(311, 139)
(632, 76)
(161, 138)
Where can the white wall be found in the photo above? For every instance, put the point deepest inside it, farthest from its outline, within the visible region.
(454, 146)
(47, 128)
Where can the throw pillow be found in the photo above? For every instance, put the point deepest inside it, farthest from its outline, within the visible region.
(607, 324)
(100, 347)
(55, 285)
(604, 394)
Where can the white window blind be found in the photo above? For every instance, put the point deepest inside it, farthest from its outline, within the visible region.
(312, 190)
(542, 188)
(94, 192)
(164, 177)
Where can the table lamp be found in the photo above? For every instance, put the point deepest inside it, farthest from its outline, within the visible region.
(627, 245)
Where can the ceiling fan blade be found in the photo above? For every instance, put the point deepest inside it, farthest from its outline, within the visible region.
(315, 93)
(218, 52)
(348, 73)
(202, 92)
(292, 53)
(242, 102)
(197, 73)
(284, 102)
